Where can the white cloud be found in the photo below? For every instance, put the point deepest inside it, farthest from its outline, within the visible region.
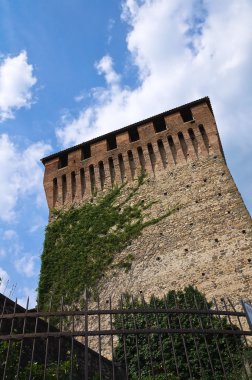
(21, 174)
(26, 265)
(16, 82)
(182, 51)
(4, 280)
(2, 253)
(9, 234)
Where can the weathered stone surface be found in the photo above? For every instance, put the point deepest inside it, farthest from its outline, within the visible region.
(206, 242)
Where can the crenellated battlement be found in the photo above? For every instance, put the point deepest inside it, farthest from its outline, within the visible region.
(154, 145)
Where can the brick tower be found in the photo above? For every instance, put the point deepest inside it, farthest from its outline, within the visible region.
(206, 242)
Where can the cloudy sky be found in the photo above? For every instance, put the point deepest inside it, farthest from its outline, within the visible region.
(74, 69)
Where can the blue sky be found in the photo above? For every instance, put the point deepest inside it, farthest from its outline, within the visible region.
(72, 70)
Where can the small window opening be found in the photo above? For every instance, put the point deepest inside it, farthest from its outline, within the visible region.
(111, 142)
(85, 152)
(244, 231)
(249, 260)
(121, 167)
(64, 188)
(63, 160)
(131, 164)
(173, 148)
(204, 136)
(186, 114)
(183, 144)
(101, 174)
(203, 274)
(194, 140)
(55, 191)
(216, 240)
(73, 184)
(111, 170)
(162, 153)
(133, 134)
(159, 124)
(141, 157)
(82, 181)
(152, 156)
(92, 178)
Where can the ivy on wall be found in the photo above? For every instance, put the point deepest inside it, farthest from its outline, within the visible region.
(81, 243)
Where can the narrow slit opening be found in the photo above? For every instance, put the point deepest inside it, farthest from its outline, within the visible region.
(101, 174)
(111, 170)
(152, 156)
(183, 144)
(193, 140)
(64, 188)
(141, 158)
(162, 153)
(82, 181)
(131, 164)
(73, 184)
(92, 178)
(55, 191)
(173, 148)
(204, 136)
(121, 167)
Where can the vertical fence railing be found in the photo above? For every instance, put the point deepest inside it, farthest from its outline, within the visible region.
(135, 340)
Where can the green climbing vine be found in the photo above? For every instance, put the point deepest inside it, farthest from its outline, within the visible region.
(81, 243)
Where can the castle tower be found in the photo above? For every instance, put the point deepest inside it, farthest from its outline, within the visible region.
(206, 242)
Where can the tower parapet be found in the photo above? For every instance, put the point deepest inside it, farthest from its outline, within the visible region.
(207, 242)
(154, 145)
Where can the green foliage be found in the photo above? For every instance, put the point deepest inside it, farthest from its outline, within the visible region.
(36, 369)
(81, 243)
(149, 347)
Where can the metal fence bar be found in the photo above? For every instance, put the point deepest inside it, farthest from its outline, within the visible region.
(205, 340)
(9, 342)
(174, 340)
(124, 344)
(68, 313)
(112, 342)
(86, 333)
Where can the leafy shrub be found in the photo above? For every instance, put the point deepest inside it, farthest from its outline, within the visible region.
(154, 353)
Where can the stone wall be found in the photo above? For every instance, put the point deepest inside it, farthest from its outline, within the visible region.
(154, 145)
(207, 241)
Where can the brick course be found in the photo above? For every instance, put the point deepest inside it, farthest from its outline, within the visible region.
(206, 242)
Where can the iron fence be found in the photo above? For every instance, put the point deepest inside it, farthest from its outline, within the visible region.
(126, 340)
